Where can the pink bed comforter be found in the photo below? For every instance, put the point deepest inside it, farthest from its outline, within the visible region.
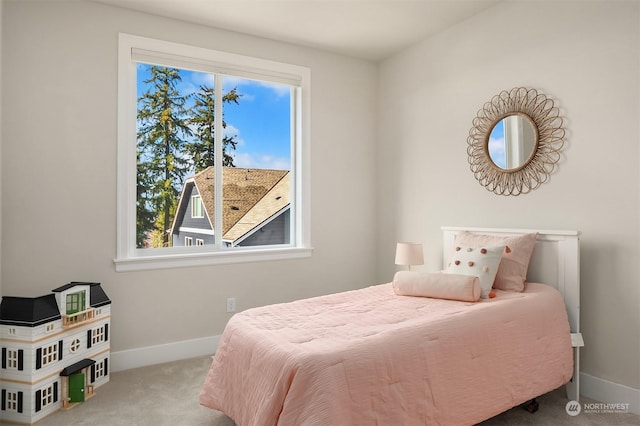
(369, 356)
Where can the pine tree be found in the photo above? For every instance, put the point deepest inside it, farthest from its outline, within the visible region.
(202, 149)
(163, 132)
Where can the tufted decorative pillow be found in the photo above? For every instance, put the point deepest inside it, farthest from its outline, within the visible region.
(480, 261)
(512, 272)
(465, 288)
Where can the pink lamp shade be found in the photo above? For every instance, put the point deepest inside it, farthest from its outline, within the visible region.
(409, 254)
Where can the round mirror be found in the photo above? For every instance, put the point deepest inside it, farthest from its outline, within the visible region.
(515, 141)
(512, 142)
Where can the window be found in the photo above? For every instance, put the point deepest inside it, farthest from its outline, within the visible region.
(196, 206)
(46, 396)
(49, 354)
(12, 359)
(250, 174)
(188, 241)
(74, 346)
(199, 242)
(75, 302)
(99, 369)
(98, 336)
(12, 401)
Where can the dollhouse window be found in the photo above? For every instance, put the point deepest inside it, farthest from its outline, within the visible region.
(11, 401)
(99, 370)
(47, 396)
(75, 345)
(98, 336)
(12, 359)
(49, 354)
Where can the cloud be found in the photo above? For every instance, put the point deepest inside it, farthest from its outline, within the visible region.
(261, 161)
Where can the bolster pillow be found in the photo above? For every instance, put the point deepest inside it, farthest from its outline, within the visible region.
(465, 288)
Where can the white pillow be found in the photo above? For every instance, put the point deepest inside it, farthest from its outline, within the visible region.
(481, 262)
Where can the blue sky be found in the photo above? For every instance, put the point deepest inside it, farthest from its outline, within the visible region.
(496, 145)
(261, 121)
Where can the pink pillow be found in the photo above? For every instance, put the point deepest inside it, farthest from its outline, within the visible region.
(512, 272)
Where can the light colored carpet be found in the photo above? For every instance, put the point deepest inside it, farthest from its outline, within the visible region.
(167, 394)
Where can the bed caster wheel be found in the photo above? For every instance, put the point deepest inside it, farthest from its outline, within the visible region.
(531, 406)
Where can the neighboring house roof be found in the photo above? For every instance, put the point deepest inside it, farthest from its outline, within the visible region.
(250, 197)
(274, 201)
(34, 311)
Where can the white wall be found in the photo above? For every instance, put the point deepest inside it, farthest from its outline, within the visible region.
(59, 174)
(586, 56)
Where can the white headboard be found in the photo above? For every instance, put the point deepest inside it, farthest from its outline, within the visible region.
(555, 261)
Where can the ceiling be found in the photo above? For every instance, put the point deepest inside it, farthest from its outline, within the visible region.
(367, 29)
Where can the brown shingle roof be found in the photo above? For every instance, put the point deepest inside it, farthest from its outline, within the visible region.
(244, 192)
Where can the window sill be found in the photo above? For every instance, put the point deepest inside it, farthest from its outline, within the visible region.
(142, 263)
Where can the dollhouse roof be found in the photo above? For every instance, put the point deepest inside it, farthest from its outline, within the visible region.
(74, 368)
(97, 295)
(29, 311)
(35, 311)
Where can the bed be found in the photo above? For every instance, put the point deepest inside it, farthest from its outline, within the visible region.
(370, 356)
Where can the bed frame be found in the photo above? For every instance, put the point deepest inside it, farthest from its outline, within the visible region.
(555, 262)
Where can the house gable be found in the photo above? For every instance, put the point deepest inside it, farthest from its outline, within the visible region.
(252, 198)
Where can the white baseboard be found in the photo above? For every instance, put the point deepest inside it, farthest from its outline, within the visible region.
(151, 355)
(592, 387)
(609, 392)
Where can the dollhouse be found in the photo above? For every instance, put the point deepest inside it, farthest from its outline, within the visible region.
(55, 350)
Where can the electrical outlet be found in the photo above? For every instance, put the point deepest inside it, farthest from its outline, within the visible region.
(231, 304)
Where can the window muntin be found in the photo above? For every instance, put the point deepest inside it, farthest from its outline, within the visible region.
(226, 70)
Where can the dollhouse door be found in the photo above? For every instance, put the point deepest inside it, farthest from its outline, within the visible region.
(76, 387)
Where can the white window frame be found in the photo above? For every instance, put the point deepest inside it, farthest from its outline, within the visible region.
(196, 199)
(11, 401)
(49, 354)
(12, 359)
(75, 345)
(188, 241)
(46, 397)
(99, 370)
(97, 336)
(128, 257)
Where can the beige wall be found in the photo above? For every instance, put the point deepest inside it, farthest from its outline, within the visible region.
(59, 174)
(586, 56)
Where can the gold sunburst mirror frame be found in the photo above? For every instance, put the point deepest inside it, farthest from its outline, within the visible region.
(515, 141)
